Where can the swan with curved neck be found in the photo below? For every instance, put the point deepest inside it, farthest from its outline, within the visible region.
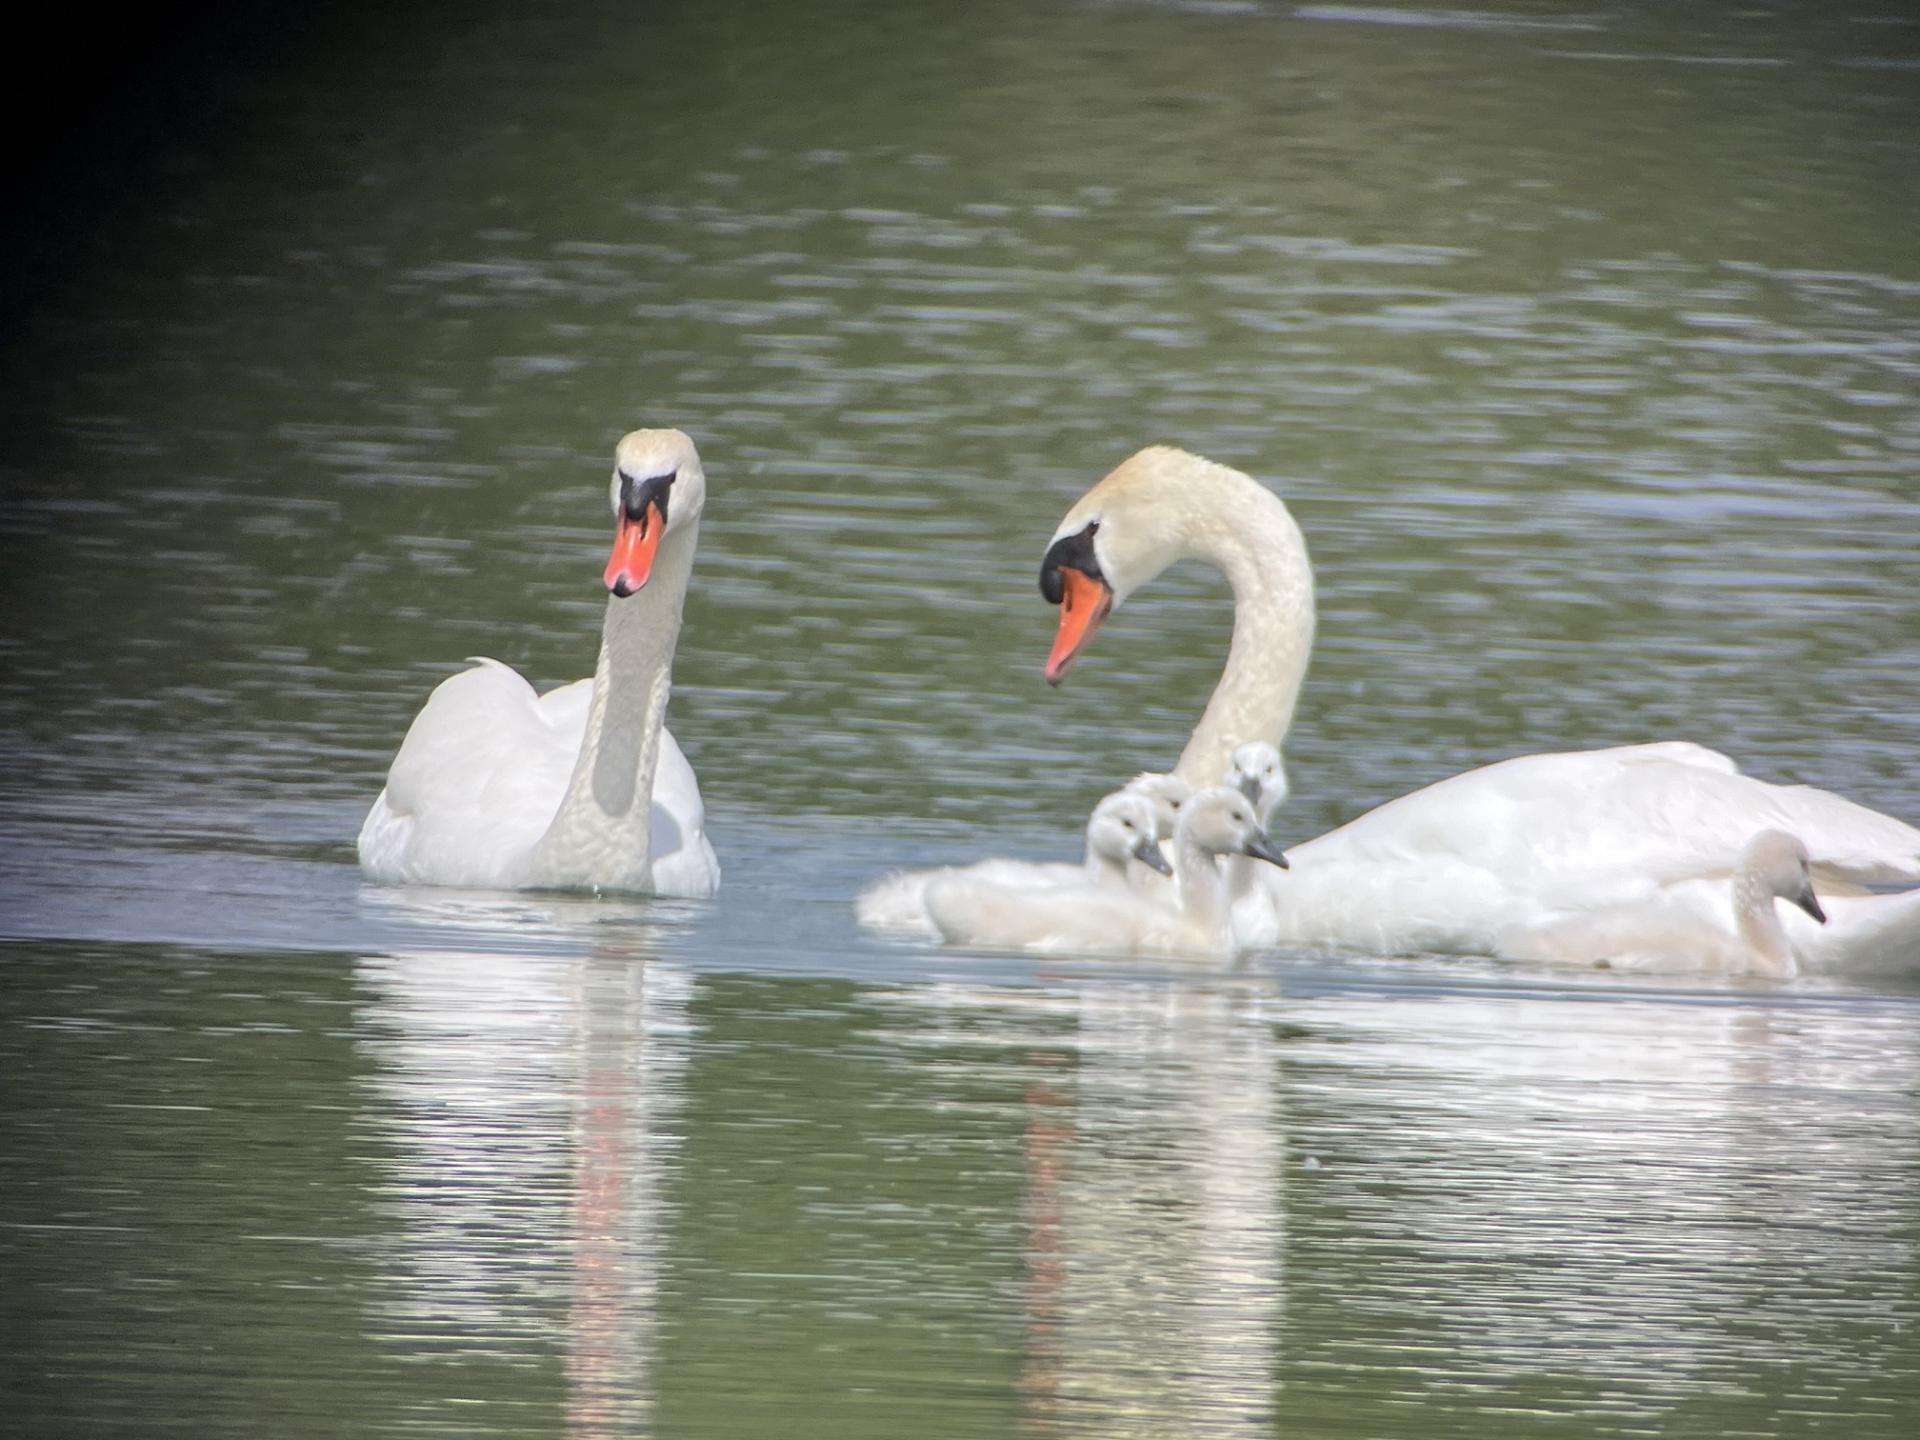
(1164, 505)
(1458, 865)
(582, 788)
(1214, 824)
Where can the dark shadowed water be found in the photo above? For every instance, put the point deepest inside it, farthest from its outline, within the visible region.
(1584, 343)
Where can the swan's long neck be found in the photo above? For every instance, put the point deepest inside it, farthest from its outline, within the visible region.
(1203, 899)
(1758, 920)
(599, 837)
(1243, 528)
(1104, 869)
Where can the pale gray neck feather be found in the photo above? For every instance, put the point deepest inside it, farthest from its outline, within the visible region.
(1758, 921)
(1202, 898)
(600, 836)
(1256, 544)
(1102, 870)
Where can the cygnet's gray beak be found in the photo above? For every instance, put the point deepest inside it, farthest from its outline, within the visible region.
(1148, 852)
(1261, 848)
(1250, 786)
(1810, 903)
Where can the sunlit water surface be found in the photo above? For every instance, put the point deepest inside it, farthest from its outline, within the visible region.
(1584, 345)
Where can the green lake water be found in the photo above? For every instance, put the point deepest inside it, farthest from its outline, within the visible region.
(1584, 344)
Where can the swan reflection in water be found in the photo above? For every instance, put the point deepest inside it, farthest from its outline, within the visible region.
(1239, 1208)
(1244, 1210)
(1154, 1225)
(524, 1103)
(1666, 1197)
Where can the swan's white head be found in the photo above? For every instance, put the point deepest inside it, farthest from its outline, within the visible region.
(1254, 769)
(1121, 534)
(658, 486)
(1166, 794)
(1221, 822)
(1123, 827)
(1778, 863)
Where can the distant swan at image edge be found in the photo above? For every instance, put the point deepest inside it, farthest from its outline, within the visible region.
(581, 788)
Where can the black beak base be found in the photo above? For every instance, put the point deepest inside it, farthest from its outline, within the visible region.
(636, 495)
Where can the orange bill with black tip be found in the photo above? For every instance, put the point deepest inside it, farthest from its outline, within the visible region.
(635, 543)
(1084, 603)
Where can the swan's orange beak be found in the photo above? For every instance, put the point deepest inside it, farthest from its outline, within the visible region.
(1084, 603)
(634, 546)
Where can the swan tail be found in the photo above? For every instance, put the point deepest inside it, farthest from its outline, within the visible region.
(896, 904)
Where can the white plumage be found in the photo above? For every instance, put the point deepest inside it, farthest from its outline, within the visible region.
(1082, 917)
(1463, 863)
(583, 787)
(1122, 832)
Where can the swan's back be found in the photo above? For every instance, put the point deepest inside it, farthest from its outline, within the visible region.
(1528, 841)
(1864, 935)
(897, 903)
(1081, 918)
(1643, 939)
(475, 785)
(1634, 817)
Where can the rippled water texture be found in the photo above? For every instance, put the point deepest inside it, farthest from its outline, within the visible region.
(1582, 342)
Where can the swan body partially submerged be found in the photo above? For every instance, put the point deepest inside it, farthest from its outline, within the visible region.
(1465, 862)
(1091, 919)
(581, 788)
(1123, 832)
(1662, 935)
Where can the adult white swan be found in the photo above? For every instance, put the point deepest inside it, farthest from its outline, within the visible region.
(581, 788)
(1462, 863)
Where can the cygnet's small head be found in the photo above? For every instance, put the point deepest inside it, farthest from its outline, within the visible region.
(1117, 537)
(1779, 864)
(1167, 794)
(1221, 822)
(658, 486)
(1122, 828)
(1254, 769)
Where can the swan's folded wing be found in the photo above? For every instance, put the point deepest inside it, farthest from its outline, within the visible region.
(682, 858)
(477, 780)
(1599, 821)
(565, 709)
(1849, 842)
(897, 903)
(1864, 935)
(968, 910)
